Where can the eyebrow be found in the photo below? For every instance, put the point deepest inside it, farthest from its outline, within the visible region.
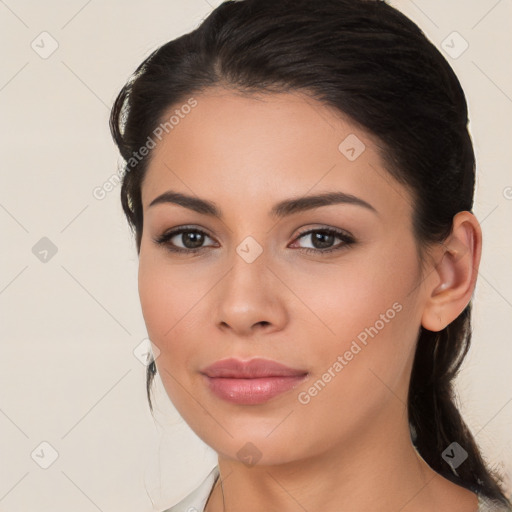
(282, 209)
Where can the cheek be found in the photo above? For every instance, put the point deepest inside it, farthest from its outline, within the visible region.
(370, 320)
(378, 331)
(347, 298)
(163, 302)
(164, 310)
(172, 297)
(154, 302)
(167, 292)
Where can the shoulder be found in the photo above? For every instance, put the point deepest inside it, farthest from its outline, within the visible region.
(488, 505)
(196, 500)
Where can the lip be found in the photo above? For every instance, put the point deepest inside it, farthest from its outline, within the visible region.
(251, 382)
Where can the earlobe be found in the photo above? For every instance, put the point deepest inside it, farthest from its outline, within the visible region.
(453, 278)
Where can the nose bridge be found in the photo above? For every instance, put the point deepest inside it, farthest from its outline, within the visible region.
(248, 265)
(247, 296)
(250, 250)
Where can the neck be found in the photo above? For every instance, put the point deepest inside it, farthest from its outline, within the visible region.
(378, 470)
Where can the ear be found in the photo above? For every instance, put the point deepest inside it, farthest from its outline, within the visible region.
(452, 280)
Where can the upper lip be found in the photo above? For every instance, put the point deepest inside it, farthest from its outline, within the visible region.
(252, 369)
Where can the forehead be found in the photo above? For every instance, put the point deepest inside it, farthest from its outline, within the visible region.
(250, 150)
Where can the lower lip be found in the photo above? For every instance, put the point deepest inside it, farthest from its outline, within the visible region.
(252, 391)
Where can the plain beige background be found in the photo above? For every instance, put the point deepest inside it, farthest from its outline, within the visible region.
(71, 323)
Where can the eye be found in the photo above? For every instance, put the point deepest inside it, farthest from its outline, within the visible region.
(323, 238)
(190, 238)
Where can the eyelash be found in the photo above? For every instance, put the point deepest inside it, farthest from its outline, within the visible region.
(347, 240)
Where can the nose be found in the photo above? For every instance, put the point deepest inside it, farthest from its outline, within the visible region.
(250, 299)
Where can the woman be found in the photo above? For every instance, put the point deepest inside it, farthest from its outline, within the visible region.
(299, 176)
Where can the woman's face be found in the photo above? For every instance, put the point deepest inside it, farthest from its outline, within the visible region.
(342, 308)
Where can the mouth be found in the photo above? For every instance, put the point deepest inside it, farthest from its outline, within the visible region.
(251, 382)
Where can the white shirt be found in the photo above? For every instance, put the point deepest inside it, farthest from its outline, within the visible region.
(196, 500)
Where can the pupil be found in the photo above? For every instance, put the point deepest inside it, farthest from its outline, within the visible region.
(195, 238)
(317, 237)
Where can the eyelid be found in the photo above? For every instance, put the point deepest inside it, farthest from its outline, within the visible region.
(172, 232)
(338, 231)
(346, 237)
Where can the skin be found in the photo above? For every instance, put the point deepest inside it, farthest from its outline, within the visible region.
(349, 448)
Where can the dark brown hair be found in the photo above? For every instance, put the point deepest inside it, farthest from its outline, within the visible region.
(374, 65)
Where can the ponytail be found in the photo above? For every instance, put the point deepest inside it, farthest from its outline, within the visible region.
(436, 423)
